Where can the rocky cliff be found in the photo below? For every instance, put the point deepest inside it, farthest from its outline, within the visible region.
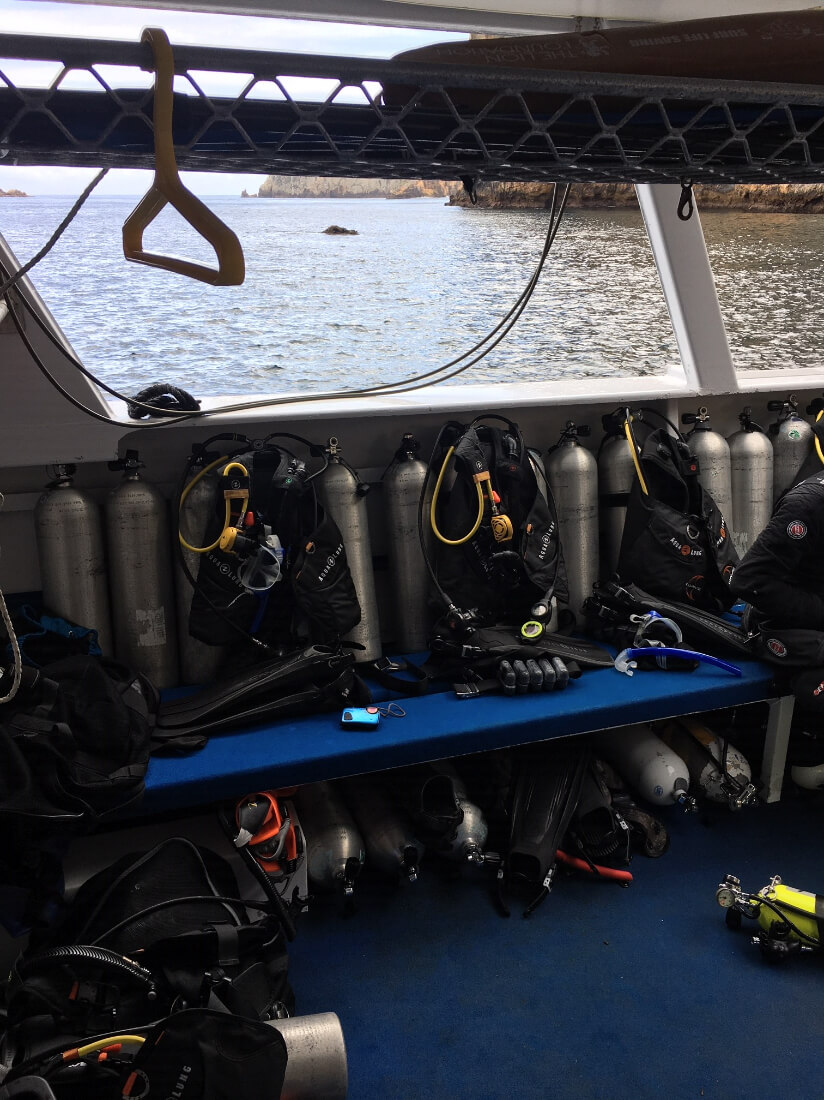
(312, 187)
(13, 194)
(784, 198)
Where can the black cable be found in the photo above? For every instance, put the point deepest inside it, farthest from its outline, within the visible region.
(403, 386)
(44, 370)
(53, 239)
(761, 900)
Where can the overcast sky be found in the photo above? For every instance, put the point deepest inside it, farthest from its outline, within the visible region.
(243, 32)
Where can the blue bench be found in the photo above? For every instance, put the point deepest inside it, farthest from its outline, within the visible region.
(439, 725)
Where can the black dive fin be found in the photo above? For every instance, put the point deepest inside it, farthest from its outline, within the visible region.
(546, 794)
(697, 625)
(287, 685)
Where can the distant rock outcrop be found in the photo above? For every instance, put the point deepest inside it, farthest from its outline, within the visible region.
(339, 231)
(324, 187)
(13, 194)
(787, 198)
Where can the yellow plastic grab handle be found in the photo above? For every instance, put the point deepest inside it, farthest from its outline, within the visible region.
(168, 189)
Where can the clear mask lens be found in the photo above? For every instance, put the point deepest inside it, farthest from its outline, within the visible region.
(260, 571)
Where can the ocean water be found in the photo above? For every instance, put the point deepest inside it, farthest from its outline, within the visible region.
(419, 284)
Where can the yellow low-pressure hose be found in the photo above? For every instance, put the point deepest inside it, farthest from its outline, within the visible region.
(228, 513)
(818, 441)
(103, 1044)
(634, 453)
(433, 506)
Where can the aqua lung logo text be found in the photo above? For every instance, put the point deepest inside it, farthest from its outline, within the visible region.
(180, 1084)
(796, 529)
(331, 561)
(686, 551)
(224, 568)
(546, 542)
(777, 647)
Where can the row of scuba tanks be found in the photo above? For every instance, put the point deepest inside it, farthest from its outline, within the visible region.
(116, 570)
(389, 822)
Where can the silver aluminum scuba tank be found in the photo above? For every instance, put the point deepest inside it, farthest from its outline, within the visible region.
(751, 481)
(402, 484)
(335, 851)
(199, 663)
(616, 474)
(140, 575)
(792, 439)
(713, 454)
(718, 771)
(70, 543)
(572, 472)
(343, 496)
(647, 765)
(391, 845)
(316, 1068)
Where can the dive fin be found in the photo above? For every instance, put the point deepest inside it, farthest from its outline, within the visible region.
(546, 794)
(312, 676)
(696, 624)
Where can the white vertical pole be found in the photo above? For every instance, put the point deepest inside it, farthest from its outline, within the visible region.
(689, 289)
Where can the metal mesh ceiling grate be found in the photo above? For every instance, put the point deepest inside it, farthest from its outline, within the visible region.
(308, 115)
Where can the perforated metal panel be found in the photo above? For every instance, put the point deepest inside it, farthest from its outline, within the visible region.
(370, 118)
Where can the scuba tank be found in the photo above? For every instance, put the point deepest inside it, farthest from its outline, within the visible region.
(334, 846)
(751, 482)
(343, 496)
(402, 485)
(616, 474)
(718, 771)
(70, 544)
(139, 545)
(199, 662)
(391, 846)
(792, 439)
(316, 1067)
(445, 818)
(713, 454)
(646, 764)
(789, 919)
(572, 473)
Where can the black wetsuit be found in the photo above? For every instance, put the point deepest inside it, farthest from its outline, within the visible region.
(782, 576)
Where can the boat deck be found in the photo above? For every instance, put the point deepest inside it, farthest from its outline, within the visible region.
(603, 993)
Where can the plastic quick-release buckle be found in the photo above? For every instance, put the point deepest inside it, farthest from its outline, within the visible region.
(466, 691)
(387, 664)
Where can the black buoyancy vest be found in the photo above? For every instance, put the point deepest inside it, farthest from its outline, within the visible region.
(503, 580)
(313, 602)
(676, 543)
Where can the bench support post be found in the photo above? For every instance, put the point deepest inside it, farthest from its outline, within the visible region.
(776, 742)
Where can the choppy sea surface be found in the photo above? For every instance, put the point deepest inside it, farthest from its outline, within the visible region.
(418, 284)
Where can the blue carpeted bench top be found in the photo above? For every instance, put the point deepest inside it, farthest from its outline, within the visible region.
(436, 726)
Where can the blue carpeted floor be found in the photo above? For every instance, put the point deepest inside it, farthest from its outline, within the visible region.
(604, 992)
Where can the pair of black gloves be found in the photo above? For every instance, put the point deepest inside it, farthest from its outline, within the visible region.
(544, 673)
